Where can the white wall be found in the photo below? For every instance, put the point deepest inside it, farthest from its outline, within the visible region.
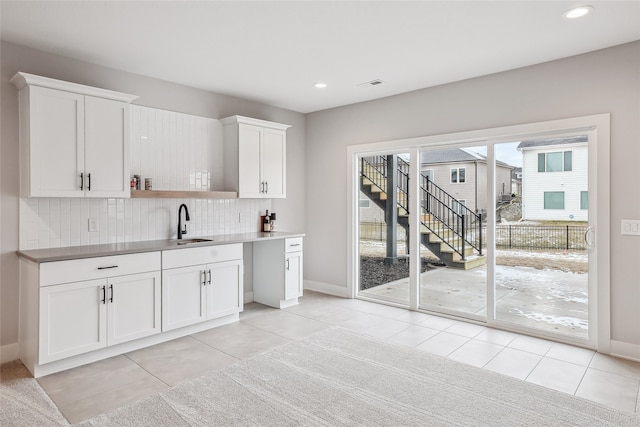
(152, 93)
(606, 81)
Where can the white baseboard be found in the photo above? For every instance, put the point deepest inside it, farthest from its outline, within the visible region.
(625, 350)
(8, 353)
(326, 288)
(248, 297)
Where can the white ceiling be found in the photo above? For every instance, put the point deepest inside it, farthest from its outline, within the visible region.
(274, 52)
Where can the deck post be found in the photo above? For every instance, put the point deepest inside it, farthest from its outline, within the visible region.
(391, 211)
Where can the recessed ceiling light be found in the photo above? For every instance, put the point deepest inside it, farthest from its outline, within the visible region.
(577, 12)
(320, 85)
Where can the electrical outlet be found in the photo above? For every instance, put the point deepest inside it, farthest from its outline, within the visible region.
(93, 224)
(241, 217)
(630, 227)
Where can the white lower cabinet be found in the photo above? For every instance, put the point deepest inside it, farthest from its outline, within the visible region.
(293, 275)
(72, 320)
(133, 307)
(194, 291)
(277, 272)
(71, 308)
(79, 311)
(79, 317)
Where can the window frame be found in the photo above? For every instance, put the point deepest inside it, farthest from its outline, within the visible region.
(566, 161)
(457, 170)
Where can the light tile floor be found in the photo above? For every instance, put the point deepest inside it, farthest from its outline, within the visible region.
(87, 391)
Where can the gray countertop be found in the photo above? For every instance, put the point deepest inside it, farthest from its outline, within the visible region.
(92, 251)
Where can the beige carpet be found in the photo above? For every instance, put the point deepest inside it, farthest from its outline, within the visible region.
(337, 377)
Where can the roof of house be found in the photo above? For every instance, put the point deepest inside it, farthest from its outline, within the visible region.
(515, 172)
(580, 139)
(454, 155)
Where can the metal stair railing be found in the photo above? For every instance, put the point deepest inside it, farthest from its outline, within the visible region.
(451, 221)
(374, 169)
(444, 211)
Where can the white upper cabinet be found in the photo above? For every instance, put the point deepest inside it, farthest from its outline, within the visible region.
(74, 139)
(255, 153)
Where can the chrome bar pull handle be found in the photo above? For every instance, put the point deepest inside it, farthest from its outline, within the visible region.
(590, 232)
(104, 295)
(209, 276)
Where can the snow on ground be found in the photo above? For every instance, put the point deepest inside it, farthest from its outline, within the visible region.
(544, 290)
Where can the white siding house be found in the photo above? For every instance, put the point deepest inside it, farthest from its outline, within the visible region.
(555, 179)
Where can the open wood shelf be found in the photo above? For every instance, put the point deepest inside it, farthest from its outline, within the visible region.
(181, 194)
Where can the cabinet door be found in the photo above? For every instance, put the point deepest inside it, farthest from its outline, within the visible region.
(273, 163)
(56, 143)
(250, 184)
(293, 275)
(183, 296)
(133, 307)
(72, 319)
(106, 148)
(224, 288)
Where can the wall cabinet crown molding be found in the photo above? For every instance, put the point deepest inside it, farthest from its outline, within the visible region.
(20, 80)
(254, 122)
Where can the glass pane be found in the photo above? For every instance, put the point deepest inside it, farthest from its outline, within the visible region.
(554, 162)
(384, 228)
(541, 162)
(554, 199)
(584, 200)
(452, 245)
(567, 160)
(541, 271)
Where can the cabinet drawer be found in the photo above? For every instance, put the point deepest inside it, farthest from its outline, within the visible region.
(52, 273)
(201, 255)
(293, 244)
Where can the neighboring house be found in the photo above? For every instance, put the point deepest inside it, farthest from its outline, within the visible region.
(555, 179)
(369, 211)
(516, 181)
(463, 174)
(460, 172)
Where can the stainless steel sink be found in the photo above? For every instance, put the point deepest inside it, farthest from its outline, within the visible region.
(188, 241)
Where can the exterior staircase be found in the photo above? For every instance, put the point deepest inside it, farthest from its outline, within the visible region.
(448, 229)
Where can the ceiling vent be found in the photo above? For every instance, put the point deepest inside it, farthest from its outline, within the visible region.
(375, 82)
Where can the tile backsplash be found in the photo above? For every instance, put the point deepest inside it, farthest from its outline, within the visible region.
(58, 222)
(179, 152)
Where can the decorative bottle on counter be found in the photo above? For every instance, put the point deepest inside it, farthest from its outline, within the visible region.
(266, 225)
(272, 222)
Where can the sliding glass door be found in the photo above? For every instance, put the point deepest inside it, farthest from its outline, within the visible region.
(500, 231)
(541, 236)
(384, 227)
(453, 207)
